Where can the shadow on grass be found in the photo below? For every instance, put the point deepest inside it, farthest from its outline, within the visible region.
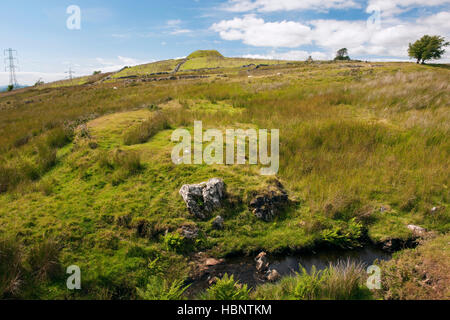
(443, 66)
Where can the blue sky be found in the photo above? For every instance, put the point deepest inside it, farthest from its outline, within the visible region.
(116, 33)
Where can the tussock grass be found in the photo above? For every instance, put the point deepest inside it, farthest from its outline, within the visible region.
(147, 129)
(22, 272)
(11, 269)
(342, 281)
(43, 260)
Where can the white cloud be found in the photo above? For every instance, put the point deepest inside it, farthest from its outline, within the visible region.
(294, 55)
(180, 31)
(391, 39)
(394, 7)
(288, 5)
(80, 69)
(114, 65)
(256, 32)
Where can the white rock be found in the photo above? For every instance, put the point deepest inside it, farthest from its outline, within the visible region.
(202, 199)
(273, 275)
(416, 229)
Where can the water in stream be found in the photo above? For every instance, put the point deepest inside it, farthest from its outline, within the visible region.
(244, 270)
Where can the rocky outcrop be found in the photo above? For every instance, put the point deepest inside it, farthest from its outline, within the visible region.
(218, 223)
(269, 203)
(202, 199)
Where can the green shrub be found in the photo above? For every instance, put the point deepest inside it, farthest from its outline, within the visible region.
(308, 284)
(344, 237)
(147, 129)
(174, 241)
(227, 289)
(160, 289)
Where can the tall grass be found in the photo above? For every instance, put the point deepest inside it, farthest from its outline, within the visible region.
(145, 130)
(43, 260)
(22, 271)
(342, 281)
(128, 161)
(11, 269)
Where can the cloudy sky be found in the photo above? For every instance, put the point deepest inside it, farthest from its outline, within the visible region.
(116, 33)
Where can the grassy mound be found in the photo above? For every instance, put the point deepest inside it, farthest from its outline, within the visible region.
(205, 54)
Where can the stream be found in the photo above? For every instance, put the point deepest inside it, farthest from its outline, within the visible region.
(244, 268)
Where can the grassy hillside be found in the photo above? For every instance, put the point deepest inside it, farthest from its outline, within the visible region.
(150, 68)
(364, 152)
(202, 59)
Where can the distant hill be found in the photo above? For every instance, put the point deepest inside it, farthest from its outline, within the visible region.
(5, 88)
(205, 54)
(201, 59)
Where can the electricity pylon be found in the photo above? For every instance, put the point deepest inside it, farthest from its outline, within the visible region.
(10, 66)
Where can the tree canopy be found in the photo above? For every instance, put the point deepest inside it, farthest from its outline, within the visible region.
(427, 48)
(342, 54)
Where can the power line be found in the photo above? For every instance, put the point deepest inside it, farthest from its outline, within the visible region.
(10, 65)
(70, 72)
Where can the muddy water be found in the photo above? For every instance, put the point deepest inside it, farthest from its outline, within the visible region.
(244, 268)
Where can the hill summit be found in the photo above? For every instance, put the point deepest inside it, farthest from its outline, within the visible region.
(205, 54)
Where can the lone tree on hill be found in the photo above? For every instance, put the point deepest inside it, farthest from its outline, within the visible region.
(342, 54)
(427, 48)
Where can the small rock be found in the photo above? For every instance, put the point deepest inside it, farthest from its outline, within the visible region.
(218, 223)
(269, 203)
(273, 275)
(189, 232)
(213, 262)
(262, 264)
(202, 199)
(434, 209)
(416, 229)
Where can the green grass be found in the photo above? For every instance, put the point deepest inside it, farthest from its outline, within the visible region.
(418, 274)
(150, 68)
(205, 53)
(203, 62)
(353, 140)
(343, 281)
